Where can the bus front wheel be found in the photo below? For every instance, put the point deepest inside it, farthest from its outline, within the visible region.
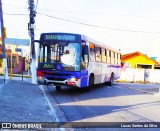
(58, 88)
(91, 83)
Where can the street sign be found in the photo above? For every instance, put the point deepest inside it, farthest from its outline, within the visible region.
(14, 41)
(18, 50)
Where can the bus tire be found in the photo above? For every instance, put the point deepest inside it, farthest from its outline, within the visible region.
(39, 83)
(58, 88)
(111, 80)
(91, 83)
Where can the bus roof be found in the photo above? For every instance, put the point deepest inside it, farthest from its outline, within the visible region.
(85, 38)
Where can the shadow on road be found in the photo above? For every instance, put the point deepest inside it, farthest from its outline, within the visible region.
(79, 104)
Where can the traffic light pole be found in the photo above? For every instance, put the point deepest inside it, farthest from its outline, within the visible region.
(3, 45)
(31, 32)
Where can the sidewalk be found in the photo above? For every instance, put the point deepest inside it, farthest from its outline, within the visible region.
(150, 88)
(22, 101)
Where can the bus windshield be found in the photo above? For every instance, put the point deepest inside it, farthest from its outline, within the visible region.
(60, 56)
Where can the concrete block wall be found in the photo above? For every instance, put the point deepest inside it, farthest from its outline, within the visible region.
(141, 75)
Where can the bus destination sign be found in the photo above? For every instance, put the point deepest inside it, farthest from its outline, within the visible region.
(59, 37)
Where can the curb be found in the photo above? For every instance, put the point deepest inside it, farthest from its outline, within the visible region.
(50, 107)
(48, 104)
(141, 90)
(138, 90)
(157, 94)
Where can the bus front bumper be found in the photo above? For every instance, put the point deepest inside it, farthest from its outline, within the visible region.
(68, 82)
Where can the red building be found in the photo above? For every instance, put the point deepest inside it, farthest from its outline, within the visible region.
(18, 63)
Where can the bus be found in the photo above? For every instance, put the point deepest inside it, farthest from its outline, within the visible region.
(75, 60)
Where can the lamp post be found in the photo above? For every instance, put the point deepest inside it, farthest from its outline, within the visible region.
(31, 32)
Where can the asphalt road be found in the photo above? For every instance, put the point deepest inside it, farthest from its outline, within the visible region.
(104, 104)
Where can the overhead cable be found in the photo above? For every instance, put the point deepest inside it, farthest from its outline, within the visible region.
(138, 31)
(86, 24)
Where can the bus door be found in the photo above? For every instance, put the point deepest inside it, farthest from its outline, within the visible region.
(84, 65)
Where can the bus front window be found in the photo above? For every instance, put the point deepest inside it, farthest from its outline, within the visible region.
(85, 56)
(71, 56)
(66, 54)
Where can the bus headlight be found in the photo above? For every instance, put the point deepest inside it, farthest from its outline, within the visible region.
(40, 77)
(73, 79)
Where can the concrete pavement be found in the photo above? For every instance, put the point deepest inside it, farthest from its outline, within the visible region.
(22, 101)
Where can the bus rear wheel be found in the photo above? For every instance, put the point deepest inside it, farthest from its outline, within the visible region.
(111, 80)
(58, 88)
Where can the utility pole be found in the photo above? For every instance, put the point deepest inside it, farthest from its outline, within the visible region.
(31, 33)
(3, 45)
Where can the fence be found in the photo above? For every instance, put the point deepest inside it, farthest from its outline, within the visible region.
(140, 75)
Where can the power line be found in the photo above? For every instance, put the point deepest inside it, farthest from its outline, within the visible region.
(68, 20)
(117, 29)
(95, 13)
(79, 12)
(15, 14)
(91, 25)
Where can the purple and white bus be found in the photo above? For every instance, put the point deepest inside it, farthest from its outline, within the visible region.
(74, 60)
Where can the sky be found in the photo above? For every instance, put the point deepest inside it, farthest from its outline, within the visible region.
(128, 25)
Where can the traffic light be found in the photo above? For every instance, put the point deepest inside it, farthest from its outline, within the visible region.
(4, 32)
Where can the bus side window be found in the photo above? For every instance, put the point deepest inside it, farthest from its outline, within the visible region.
(108, 56)
(92, 52)
(98, 54)
(119, 59)
(115, 59)
(104, 59)
(112, 57)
